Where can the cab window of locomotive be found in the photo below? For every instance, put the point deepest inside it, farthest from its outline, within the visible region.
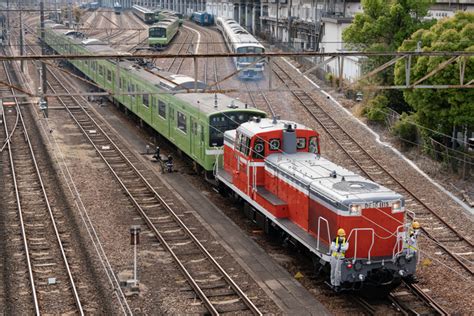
(244, 145)
(258, 151)
(313, 145)
(301, 143)
(274, 144)
(224, 122)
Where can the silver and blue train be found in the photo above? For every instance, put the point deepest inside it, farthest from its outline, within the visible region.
(239, 40)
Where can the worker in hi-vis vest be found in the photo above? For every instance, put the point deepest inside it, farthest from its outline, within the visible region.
(338, 250)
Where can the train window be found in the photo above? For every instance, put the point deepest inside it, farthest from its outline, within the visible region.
(181, 122)
(146, 100)
(313, 145)
(157, 32)
(94, 65)
(301, 143)
(109, 76)
(133, 91)
(101, 70)
(129, 87)
(161, 109)
(258, 149)
(86, 62)
(245, 145)
(275, 144)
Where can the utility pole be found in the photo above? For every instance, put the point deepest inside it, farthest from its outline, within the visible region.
(7, 26)
(22, 47)
(70, 13)
(277, 20)
(43, 101)
(289, 22)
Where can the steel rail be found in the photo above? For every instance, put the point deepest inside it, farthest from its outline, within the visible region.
(252, 98)
(179, 51)
(195, 286)
(299, 94)
(416, 291)
(109, 271)
(48, 205)
(20, 214)
(428, 299)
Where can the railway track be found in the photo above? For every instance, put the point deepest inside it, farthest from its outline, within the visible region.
(453, 243)
(177, 63)
(212, 285)
(410, 299)
(259, 99)
(48, 278)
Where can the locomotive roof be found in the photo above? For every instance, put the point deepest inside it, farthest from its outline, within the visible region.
(346, 187)
(265, 125)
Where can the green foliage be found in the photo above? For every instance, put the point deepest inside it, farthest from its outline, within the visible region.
(376, 109)
(442, 109)
(406, 129)
(383, 26)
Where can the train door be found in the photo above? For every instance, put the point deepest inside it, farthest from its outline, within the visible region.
(194, 138)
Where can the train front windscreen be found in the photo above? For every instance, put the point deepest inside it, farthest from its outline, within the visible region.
(219, 123)
(248, 50)
(158, 32)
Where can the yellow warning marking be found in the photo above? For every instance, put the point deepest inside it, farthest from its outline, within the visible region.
(299, 275)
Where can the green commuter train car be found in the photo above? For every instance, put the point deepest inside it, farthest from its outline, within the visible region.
(194, 122)
(162, 33)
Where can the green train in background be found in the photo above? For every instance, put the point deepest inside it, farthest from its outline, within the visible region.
(194, 122)
(162, 33)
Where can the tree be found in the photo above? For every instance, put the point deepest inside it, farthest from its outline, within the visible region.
(444, 109)
(383, 26)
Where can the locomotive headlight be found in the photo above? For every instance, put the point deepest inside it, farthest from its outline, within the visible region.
(397, 207)
(355, 209)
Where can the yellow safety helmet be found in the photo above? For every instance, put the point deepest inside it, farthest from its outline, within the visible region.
(341, 232)
(415, 225)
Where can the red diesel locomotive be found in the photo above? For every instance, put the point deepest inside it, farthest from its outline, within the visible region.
(276, 168)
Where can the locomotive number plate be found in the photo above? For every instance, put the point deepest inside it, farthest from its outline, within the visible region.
(378, 204)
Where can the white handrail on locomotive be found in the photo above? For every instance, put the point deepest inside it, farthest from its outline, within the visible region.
(356, 230)
(319, 231)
